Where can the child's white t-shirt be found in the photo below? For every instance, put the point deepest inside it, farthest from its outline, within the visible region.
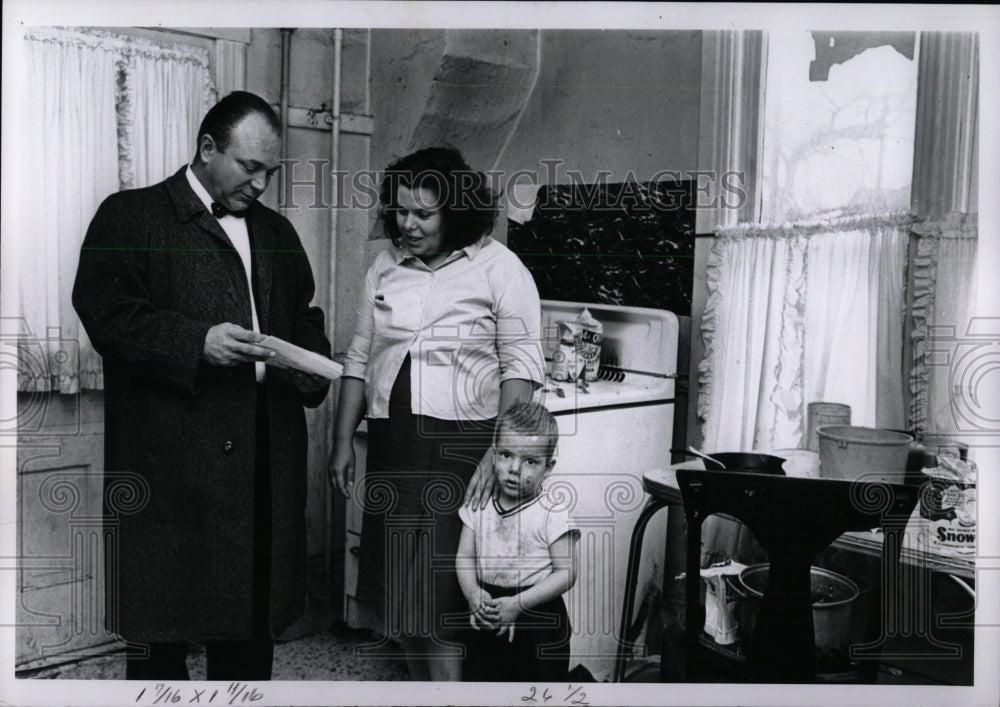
(512, 546)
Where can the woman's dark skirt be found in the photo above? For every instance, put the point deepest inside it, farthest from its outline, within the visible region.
(417, 473)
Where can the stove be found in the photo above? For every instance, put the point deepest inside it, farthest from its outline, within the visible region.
(612, 431)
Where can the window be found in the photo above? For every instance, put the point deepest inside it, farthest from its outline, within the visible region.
(808, 301)
(839, 117)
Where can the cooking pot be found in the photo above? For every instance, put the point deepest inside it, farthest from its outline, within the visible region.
(744, 461)
(833, 596)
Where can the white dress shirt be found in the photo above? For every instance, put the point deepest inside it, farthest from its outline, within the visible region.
(236, 229)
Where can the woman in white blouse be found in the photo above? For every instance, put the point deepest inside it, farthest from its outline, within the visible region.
(447, 336)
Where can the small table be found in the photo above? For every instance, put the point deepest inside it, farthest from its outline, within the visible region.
(661, 485)
(664, 490)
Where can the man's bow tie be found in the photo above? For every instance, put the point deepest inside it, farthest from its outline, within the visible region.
(218, 210)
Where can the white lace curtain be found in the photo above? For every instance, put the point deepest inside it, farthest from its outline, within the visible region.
(165, 93)
(104, 112)
(69, 164)
(802, 312)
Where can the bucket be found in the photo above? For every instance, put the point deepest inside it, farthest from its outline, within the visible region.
(863, 453)
(833, 596)
(820, 414)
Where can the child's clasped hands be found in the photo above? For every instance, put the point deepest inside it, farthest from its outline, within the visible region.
(497, 615)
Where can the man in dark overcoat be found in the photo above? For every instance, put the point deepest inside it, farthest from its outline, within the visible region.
(177, 283)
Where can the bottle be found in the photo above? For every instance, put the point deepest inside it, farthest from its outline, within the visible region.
(563, 358)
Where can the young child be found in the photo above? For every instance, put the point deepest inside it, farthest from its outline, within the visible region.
(516, 558)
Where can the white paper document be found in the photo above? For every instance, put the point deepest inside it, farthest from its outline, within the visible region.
(291, 356)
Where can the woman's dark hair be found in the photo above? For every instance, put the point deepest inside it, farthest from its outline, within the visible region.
(227, 114)
(468, 206)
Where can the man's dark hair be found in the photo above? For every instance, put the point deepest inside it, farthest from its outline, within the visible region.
(227, 113)
(468, 206)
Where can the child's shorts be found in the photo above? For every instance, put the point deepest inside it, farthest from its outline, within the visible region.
(538, 653)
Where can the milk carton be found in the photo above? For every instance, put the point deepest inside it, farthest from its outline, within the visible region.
(588, 335)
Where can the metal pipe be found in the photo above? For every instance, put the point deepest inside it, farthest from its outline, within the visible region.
(368, 72)
(286, 74)
(331, 298)
(338, 42)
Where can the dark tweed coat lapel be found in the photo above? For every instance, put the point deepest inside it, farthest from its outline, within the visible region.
(189, 207)
(262, 241)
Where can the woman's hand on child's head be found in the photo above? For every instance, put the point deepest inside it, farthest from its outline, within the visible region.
(482, 486)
